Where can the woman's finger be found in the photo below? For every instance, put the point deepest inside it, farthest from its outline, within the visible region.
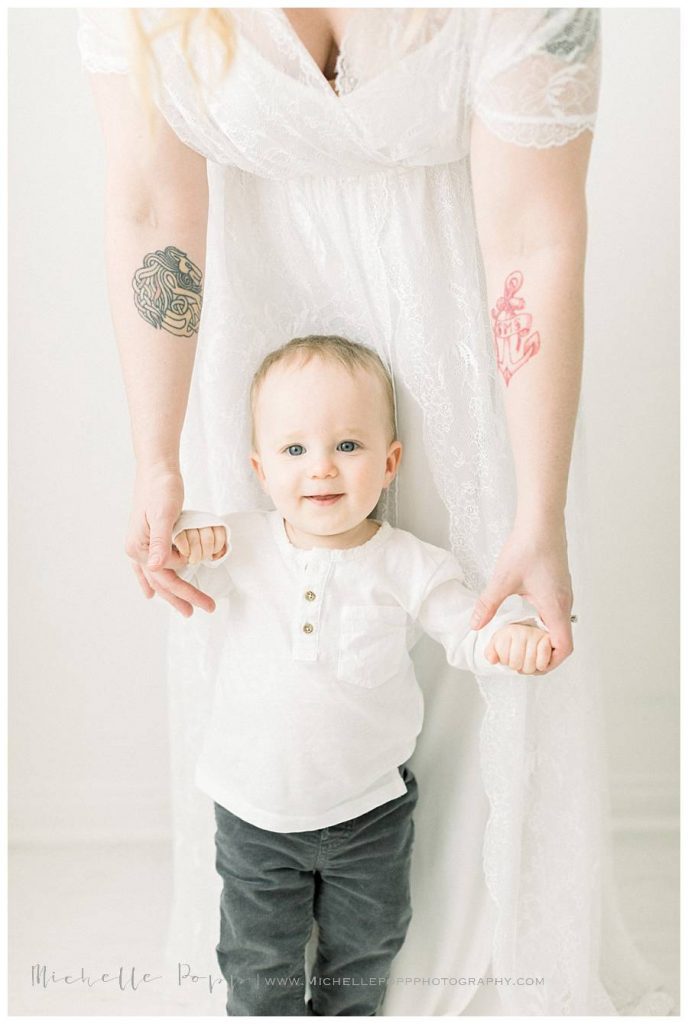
(556, 612)
(559, 626)
(544, 653)
(181, 594)
(148, 591)
(181, 606)
(162, 591)
(160, 526)
(489, 601)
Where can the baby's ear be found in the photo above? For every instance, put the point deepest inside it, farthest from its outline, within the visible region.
(257, 467)
(394, 453)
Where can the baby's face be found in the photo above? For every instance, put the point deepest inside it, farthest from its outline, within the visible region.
(322, 448)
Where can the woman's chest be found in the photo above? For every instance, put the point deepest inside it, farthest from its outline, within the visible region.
(398, 96)
(321, 31)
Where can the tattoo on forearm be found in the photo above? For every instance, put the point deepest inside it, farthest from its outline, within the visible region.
(511, 328)
(167, 291)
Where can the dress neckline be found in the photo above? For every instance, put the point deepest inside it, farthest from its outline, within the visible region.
(353, 71)
(333, 85)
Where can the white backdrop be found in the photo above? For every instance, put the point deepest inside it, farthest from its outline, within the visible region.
(88, 745)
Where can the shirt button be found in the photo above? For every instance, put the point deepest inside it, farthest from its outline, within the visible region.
(309, 595)
(307, 627)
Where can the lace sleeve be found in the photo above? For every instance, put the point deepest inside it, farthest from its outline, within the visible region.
(102, 39)
(536, 77)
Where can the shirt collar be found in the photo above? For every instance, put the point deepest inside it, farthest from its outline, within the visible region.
(325, 555)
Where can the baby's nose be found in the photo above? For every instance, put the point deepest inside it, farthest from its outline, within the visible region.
(324, 465)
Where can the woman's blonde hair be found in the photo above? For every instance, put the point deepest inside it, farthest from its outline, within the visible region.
(334, 349)
(216, 20)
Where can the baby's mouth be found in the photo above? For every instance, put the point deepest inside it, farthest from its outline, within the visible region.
(324, 499)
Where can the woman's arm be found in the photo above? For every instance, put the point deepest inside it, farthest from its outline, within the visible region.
(532, 226)
(532, 221)
(156, 197)
(156, 211)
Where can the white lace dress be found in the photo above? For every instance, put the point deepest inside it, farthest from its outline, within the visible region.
(350, 212)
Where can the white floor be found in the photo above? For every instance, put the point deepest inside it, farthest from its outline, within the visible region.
(104, 907)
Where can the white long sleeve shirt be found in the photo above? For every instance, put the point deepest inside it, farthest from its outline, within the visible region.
(317, 703)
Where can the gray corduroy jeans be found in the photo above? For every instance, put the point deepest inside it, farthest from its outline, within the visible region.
(353, 878)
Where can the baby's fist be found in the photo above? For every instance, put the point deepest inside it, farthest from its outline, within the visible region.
(210, 542)
(527, 649)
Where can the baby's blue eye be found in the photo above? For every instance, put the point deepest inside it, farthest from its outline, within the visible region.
(291, 447)
(354, 445)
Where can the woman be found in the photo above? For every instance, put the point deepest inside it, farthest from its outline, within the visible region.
(414, 180)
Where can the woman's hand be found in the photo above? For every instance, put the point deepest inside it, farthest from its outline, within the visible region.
(158, 500)
(534, 563)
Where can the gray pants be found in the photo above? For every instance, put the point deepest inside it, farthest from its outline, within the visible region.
(353, 878)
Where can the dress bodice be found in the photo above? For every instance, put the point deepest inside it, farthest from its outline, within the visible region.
(406, 85)
(275, 114)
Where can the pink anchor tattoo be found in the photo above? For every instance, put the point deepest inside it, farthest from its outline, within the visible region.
(511, 328)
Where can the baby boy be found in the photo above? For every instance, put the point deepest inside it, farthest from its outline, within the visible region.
(317, 707)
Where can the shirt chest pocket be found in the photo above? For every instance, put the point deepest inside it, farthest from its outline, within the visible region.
(372, 644)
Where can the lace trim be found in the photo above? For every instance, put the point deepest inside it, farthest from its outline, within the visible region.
(536, 135)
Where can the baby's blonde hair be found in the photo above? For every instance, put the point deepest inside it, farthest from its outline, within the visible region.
(334, 349)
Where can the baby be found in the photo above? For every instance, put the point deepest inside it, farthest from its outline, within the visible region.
(317, 707)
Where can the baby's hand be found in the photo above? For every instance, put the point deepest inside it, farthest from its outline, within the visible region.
(525, 648)
(198, 545)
